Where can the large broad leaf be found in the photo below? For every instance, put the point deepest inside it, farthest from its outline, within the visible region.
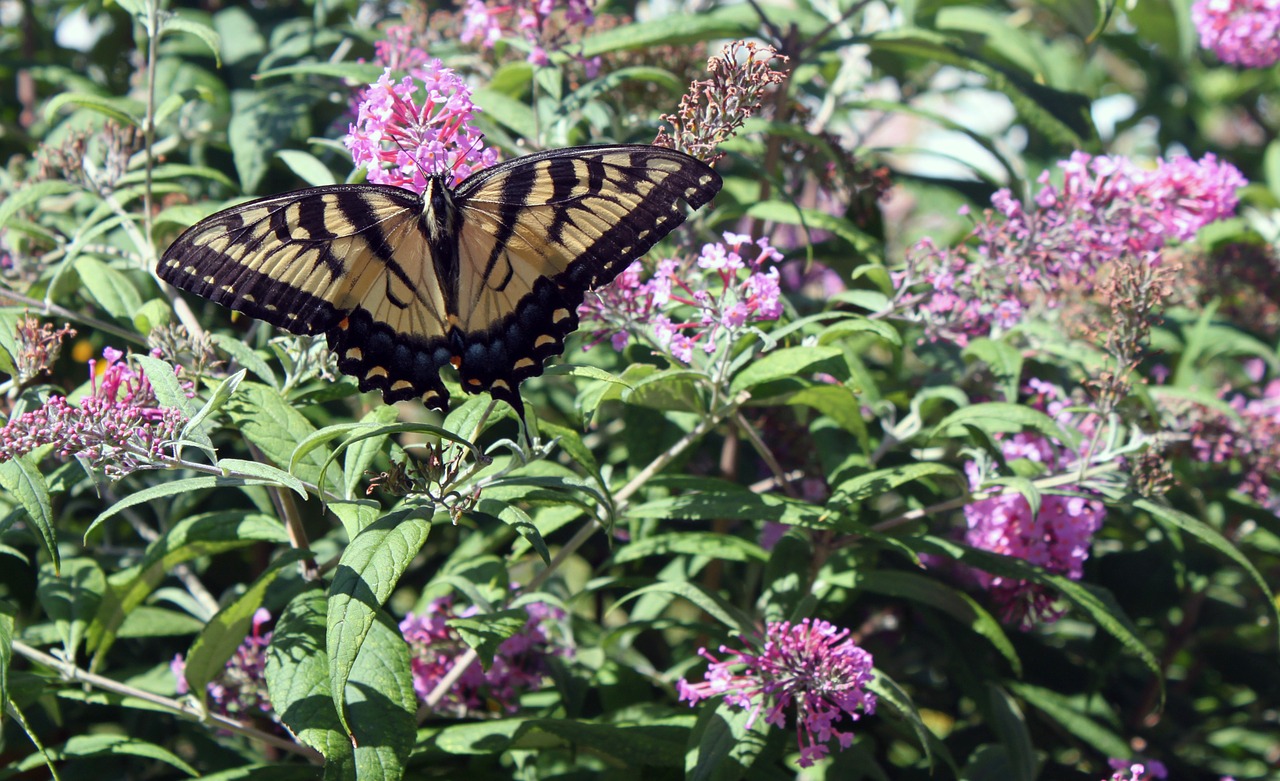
(266, 419)
(110, 289)
(369, 570)
(24, 481)
(71, 598)
(297, 676)
(722, 747)
(1072, 713)
(785, 363)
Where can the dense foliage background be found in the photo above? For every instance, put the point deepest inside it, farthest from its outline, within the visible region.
(1020, 443)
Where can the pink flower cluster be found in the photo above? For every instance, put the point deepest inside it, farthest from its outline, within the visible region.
(118, 427)
(1057, 538)
(1128, 770)
(519, 665)
(1240, 32)
(1106, 208)
(241, 688)
(1253, 441)
(489, 22)
(812, 665)
(403, 142)
(718, 296)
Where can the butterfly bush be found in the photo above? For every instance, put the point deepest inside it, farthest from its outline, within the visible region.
(1057, 538)
(118, 427)
(403, 141)
(1105, 209)
(1250, 439)
(714, 298)
(811, 666)
(536, 21)
(1240, 32)
(519, 665)
(241, 687)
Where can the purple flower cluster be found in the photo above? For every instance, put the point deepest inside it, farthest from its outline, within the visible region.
(402, 142)
(518, 666)
(1240, 32)
(241, 688)
(1252, 440)
(1057, 538)
(487, 23)
(812, 665)
(1128, 770)
(718, 296)
(1106, 208)
(118, 427)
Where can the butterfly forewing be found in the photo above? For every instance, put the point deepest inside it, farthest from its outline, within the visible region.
(538, 232)
(493, 287)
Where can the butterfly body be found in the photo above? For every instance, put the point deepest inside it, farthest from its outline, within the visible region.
(486, 277)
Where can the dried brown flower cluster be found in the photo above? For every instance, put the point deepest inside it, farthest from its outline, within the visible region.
(713, 110)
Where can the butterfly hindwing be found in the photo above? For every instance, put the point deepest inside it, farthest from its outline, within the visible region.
(538, 232)
(487, 278)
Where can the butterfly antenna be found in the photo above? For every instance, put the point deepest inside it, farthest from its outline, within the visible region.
(458, 161)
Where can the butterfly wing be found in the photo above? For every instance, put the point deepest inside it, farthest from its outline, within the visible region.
(349, 261)
(537, 232)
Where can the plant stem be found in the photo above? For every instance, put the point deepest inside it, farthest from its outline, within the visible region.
(70, 672)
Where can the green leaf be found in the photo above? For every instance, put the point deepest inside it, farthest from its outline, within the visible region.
(71, 598)
(359, 72)
(6, 652)
(244, 355)
(711, 603)
(728, 502)
(152, 315)
(87, 746)
(360, 454)
(948, 601)
(1003, 417)
(505, 110)
(881, 481)
(276, 475)
(1004, 360)
(171, 488)
(1214, 539)
(267, 420)
(1010, 725)
(368, 571)
(111, 289)
(195, 537)
(717, 546)
(202, 31)
(23, 480)
(221, 394)
(126, 110)
(224, 633)
(816, 219)
(484, 633)
(31, 194)
(1061, 117)
(307, 167)
(671, 30)
(721, 746)
(784, 363)
(1069, 713)
(297, 675)
(672, 390)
